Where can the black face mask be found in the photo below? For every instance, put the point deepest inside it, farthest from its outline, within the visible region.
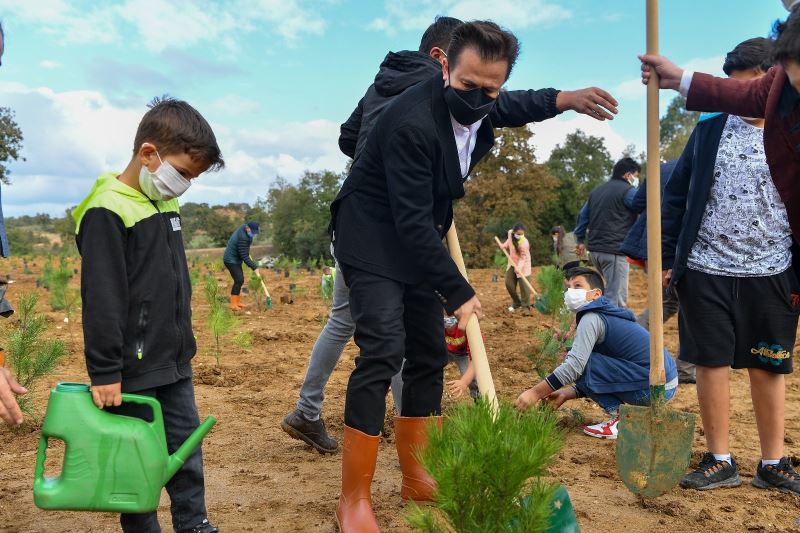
(468, 107)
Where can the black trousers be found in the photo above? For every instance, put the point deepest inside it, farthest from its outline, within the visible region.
(238, 277)
(186, 489)
(393, 320)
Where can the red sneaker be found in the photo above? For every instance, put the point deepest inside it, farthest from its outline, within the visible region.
(603, 430)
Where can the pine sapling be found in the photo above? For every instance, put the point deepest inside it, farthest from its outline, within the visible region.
(30, 355)
(489, 472)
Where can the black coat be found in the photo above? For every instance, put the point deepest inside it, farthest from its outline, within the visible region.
(401, 70)
(397, 203)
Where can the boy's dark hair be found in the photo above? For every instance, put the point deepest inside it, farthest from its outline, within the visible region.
(438, 34)
(592, 277)
(519, 226)
(752, 54)
(623, 166)
(492, 43)
(175, 127)
(787, 38)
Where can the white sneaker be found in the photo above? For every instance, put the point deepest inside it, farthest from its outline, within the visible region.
(511, 309)
(603, 430)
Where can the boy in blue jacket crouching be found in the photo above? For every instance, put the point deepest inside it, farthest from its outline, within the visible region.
(609, 361)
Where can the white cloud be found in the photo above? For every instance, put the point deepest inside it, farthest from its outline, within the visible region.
(162, 24)
(72, 137)
(552, 132)
(516, 14)
(233, 104)
(709, 65)
(49, 64)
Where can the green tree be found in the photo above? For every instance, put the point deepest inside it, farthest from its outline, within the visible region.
(676, 127)
(580, 164)
(10, 143)
(506, 187)
(298, 215)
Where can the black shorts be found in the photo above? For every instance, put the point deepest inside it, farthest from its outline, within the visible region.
(738, 322)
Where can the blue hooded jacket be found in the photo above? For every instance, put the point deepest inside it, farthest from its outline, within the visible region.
(621, 362)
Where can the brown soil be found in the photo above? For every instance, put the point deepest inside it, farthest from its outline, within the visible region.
(259, 479)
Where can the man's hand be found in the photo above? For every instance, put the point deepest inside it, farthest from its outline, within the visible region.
(527, 399)
(579, 250)
(557, 398)
(666, 277)
(457, 388)
(107, 395)
(466, 310)
(669, 75)
(591, 101)
(9, 410)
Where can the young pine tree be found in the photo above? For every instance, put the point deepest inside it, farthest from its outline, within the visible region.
(489, 471)
(30, 355)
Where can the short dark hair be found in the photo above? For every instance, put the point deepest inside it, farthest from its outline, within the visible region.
(623, 166)
(492, 43)
(519, 226)
(592, 277)
(752, 54)
(787, 37)
(175, 127)
(438, 34)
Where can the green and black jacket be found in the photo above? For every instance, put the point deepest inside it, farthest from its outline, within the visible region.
(137, 315)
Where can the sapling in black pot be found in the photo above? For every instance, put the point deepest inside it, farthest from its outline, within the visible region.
(490, 470)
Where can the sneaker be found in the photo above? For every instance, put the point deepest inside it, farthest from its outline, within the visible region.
(511, 309)
(203, 527)
(603, 430)
(712, 474)
(780, 477)
(311, 432)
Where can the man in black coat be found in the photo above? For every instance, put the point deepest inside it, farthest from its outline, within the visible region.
(388, 223)
(398, 72)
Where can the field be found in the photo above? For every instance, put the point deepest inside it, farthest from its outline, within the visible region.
(259, 479)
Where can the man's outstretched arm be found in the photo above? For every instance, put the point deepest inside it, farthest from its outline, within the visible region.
(517, 108)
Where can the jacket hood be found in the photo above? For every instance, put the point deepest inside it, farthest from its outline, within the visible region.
(603, 305)
(401, 70)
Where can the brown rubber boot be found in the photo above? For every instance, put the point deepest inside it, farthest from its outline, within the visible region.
(354, 511)
(411, 434)
(235, 304)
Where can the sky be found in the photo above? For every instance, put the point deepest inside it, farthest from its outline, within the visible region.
(275, 78)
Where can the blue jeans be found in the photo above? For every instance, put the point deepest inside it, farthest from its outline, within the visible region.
(186, 489)
(327, 350)
(610, 401)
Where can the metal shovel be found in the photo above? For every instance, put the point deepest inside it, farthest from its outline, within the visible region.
(654, 444)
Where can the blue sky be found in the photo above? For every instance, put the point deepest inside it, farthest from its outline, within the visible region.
(276, 77)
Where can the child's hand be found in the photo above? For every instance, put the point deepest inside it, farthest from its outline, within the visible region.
(107, 395)
(457, 388)
(527, 399)
(557, 398)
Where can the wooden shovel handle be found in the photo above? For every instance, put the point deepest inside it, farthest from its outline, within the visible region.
(654, 283)
(523, 278)
(263, 285)
(483, 374)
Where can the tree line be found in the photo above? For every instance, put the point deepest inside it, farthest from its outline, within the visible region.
(510, 185)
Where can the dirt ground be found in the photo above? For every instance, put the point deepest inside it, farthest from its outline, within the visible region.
(259, 479)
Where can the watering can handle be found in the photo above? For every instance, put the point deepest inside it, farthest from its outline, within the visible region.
(158, 417)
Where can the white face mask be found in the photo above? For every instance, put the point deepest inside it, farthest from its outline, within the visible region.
(165, 183)
(635, 182)
(574, 299)
(450, 322)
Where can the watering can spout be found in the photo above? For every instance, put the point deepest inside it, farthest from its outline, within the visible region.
(180, 456)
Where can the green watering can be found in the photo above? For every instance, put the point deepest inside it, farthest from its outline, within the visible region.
(112, 463)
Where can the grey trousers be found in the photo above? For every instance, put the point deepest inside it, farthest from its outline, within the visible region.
(328, 350)
(615, 270)
(670, 306)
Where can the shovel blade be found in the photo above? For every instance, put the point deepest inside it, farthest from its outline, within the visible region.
(654, 447)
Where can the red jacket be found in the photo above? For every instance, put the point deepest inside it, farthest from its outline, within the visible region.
(456, 341)
(761, 98)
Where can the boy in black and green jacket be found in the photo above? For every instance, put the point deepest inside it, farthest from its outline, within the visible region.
(137, 317)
